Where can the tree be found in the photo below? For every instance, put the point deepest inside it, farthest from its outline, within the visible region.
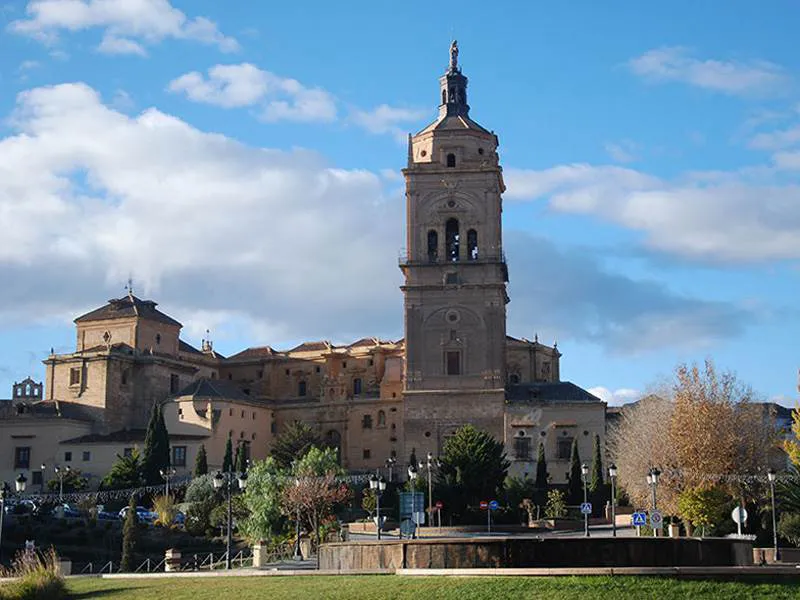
(541, 470)
(262, 498)
(156, 447)
(227, 461)
(202, 499)
(201, 462)
(241, 459)
(473, 468)
(125, 473)
(704, 506)
(596, 482)
(129, 537)
(369, 501)
(575, 481)
(702, 431)
(293, 443)
(789, 527)
(792, 446)
(556, 506)
(72, 481)
(166, 508)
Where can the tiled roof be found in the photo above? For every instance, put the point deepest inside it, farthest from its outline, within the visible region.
(127, 435)
(49, 408)
(255, 352)
(119, 347)
(311, 346)
(213, 388)
(563, 391)
(126, 307)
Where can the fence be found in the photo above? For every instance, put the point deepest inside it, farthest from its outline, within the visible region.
(205, 561)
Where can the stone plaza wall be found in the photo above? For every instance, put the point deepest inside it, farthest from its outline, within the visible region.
(511, 552)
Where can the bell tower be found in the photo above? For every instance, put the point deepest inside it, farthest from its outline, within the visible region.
(455, 274)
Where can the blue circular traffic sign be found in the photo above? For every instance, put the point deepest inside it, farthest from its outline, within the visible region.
(494, 505)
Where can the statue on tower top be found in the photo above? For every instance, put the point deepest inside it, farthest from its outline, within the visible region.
(454, 55)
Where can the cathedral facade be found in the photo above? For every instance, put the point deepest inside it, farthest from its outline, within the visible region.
(375, 400)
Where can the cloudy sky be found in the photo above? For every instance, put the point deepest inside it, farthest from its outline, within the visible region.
(241, 164)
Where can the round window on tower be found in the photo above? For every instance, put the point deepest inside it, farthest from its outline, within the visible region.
(423, 153)
(480, 150)
(452, 316)
(451, 204)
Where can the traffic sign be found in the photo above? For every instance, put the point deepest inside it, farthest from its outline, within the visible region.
(586, 508)
(656, 519)
(494, 505)
(639, 519)
(439, 505)
(484, 505)
(739, 515)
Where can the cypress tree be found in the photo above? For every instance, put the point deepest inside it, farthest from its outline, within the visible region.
(541, 470)
(156, 447)
(575, 483)
(596, 482)
(241, 459)
(129, 535)
(227, 462)
(201, 462)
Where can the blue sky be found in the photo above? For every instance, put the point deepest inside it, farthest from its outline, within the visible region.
(242, 165)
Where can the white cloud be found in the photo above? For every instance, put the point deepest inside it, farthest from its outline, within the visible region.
(279, 98)
(386, 119)
(617, 397)
(757, 77)
(625, 151)
(127, 25)
(747, 215)
(775, 140)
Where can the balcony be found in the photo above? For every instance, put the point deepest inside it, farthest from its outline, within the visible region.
(404, 259)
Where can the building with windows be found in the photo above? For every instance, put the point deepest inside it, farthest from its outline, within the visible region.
(372, 399)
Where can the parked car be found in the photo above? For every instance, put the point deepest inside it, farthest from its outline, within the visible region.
(66, 511)
(25, 506)
(143, 514)
(105, 515)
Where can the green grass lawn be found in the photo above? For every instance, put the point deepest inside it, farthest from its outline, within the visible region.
(383, 587)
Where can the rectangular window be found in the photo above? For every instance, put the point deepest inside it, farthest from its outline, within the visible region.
(174, 384)
(87, 456)
(453, 358)
(564, 448)
(22, 457)
(522, 448)
(317, 369)
(243, 414)
(75, 376)
(37, 478)
(301, 388)
(259, 374)
(344, 364)
(357, 386)
(179, 456)
(127, 452)
(67, 456)
(254, 415)
(366, 422)
(366, 453)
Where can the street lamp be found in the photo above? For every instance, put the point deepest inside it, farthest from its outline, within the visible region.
(432, 462)
(412, 477)
(298, 554)
(612, 475)
(61, 473)
(19, 484)
(771, 477)
(44, 468)
(378, 485)
(584, 474)
(166, 475)
(227, 480)
(390, 462)
(652, 481)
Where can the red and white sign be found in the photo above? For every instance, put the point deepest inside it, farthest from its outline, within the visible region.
(439, 505)
(484, 505)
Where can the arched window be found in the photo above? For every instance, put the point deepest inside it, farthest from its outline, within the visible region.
(381, 419)
(433, 246)
(451, 160)
(452, 239)
(472, 244)
(444, 97)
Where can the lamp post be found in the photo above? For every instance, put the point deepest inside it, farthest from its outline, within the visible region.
(61, 473)
(584, 474)
(390, 462)
(771, 477)
(612, 475)
(412, 477)
(19, 483)
(432, 462)
(298, 554)
(652, 480)
(227, 479)
(166, 475)
(378, 485)
(44, 468)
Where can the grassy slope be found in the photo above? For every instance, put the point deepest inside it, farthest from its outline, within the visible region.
(425, 588)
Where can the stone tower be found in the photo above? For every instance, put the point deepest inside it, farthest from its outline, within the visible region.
(455, 275)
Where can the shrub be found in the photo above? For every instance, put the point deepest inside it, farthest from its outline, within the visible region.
(556, 505)
(37, 578)
(789, 527)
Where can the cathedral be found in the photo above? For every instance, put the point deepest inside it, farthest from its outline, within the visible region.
(374, 400)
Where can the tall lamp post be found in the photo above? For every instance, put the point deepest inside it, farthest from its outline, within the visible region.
(41, 487)
(584, 475)
(771, 477)
(166, 475)
(19, 483)
(612, 475)
(61, 473)
(432, 462)
(298, 554)
(652, 481)
(390, 462)
(378, 485)
(227, 480)
(412, 477)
